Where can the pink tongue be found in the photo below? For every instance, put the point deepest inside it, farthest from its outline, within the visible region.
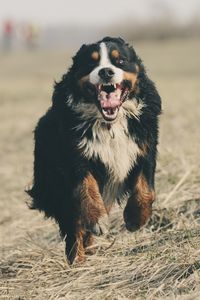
(111, 100)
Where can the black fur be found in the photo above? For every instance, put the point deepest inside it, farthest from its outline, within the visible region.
(59, 165)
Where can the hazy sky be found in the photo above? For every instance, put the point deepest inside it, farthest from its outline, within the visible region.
(103, 12)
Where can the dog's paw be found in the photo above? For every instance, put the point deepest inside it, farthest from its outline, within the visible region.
(101, 228)
(136, 216)
(132, 225)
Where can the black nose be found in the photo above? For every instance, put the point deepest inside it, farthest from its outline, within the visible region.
(106, 74)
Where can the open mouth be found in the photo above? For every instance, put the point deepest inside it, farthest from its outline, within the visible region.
(111, 96)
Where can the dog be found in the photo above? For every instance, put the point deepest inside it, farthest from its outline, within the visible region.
(97, 144)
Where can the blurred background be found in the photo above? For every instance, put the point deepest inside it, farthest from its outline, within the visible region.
(63, 23)
(37, 41)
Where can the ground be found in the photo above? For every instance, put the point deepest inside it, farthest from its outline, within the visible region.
(160, 261)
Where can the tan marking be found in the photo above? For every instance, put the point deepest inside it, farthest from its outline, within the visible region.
(144, 191)
(145, 198)
(76, 250)
(92, 209)
(92, 203)
(139, 206)
(115, 53)
(132, 77)
(83, 80)
(95, 55)
(88, 242)
(80, 251)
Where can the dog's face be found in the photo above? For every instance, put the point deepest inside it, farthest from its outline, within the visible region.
(106, 74)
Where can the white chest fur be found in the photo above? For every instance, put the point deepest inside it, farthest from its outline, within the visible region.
(114, 147)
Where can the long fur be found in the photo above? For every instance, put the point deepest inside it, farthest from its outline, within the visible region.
(83, 165)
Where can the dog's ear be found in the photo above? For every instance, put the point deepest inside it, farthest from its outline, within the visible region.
(82, 49)
(78, 58)
(62, 90)
(81, 52)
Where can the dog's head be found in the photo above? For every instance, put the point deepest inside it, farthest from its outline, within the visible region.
(104, 75)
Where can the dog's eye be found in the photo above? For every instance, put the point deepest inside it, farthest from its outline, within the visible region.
(121, 61)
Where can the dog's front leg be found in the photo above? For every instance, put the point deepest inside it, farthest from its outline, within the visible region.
(88, 213)
(139, 206)
(93, 210)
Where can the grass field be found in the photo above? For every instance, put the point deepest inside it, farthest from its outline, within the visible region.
(162, 260)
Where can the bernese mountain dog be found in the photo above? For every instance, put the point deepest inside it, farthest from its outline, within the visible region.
(97, 144)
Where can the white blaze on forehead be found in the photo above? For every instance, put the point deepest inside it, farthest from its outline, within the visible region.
(105, 63)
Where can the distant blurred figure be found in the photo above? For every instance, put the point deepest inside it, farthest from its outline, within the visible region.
(8, 34)
(31, 36)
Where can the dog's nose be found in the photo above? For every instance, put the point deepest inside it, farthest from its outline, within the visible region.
(106, 74)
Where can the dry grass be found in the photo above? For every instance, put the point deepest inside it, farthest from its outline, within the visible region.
(161, 261)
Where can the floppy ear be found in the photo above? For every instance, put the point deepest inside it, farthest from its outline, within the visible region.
(67, 85)
(62, 90)
(82, 49)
